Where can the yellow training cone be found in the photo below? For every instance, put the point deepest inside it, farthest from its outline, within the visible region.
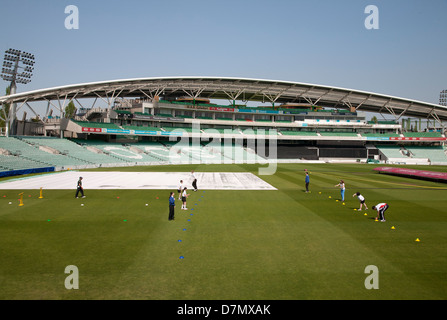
(41, 196)
(393, 228)
(417, 240)
(21, 199)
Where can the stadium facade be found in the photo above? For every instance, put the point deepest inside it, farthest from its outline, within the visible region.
(305, 121)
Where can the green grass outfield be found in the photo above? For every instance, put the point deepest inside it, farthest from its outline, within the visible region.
(284, 244)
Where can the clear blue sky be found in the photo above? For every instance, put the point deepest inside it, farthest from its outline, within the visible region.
(320, 41)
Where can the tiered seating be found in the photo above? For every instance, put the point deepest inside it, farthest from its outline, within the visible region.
(18, 163)
(142, 128)
(391, 151)
(298, 133)
(72, 149)
(186, 152)
(157, 151)
(261, 132)
(120, 153)
(338, 134)
(435, 154)
(27, 151)
(380, 135)
(423, 134)
(181, 129)
(221, 131)
(233, 152)
(165, 115)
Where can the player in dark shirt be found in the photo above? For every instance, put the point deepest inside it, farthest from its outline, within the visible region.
(80, 188)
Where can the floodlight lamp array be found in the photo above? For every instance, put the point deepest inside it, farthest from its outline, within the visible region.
(11, 65)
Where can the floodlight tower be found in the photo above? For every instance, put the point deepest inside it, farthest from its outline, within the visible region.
(443, 98)
(13, 61)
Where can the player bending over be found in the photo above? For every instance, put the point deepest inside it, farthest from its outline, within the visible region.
(381, 208)
(361, 199)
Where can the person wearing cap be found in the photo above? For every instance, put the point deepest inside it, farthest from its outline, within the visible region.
(80, 188)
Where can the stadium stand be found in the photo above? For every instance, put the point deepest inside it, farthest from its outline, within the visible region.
(17, 163)
(391, 151)
(19, 153)
(222, 131)
(88, 124)
(435, 154)
(337, 134)
(142, 128)
(73, 150)
(380, 135)
(298, 133)
(158, 151)
(422, 134)
(33, 152)
(120, 153)
(414, 154)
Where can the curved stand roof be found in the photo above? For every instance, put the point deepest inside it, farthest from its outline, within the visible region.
(245, 89)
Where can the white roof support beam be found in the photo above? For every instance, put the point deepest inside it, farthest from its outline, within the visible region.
(35, 113)
(405, 110)
(193, 93)
(2, 116)
(360, 104)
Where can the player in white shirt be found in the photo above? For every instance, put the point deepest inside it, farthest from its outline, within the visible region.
(180, 189)
(381, 208)
(361, 199)
(184, 196)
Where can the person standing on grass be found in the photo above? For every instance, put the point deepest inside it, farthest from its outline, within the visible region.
(307, 180)
(381, 208)
(184, 196)
(361, 199)
(180, 189)
(342, 189)
(194, 180)
(79, 188)
(171, 206)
